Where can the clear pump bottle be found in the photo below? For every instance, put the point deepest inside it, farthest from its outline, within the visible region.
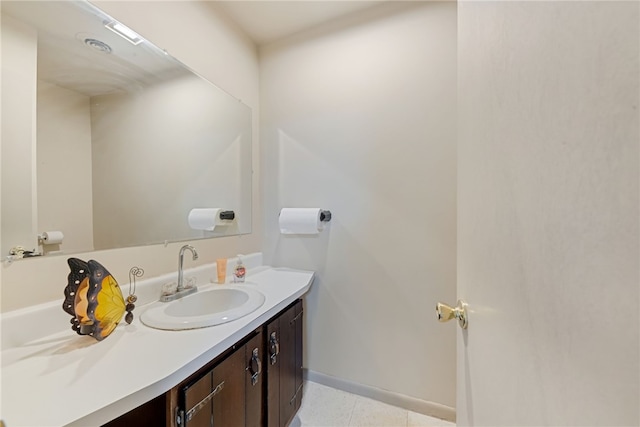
(239, 272)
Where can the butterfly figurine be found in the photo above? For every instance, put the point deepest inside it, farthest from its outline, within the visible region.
(93, 299)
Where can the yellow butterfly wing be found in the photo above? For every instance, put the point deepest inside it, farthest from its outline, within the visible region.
(110, 309)
(106, 305)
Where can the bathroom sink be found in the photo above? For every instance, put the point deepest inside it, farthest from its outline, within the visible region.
(204, 308)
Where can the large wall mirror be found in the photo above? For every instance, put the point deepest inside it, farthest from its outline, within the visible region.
(108, 139)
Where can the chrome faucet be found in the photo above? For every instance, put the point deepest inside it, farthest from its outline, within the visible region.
(181, 261)
(180, 290)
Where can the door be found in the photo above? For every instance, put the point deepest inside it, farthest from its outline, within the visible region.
(548, 213)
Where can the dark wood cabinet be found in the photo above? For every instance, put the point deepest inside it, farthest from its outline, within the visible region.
(284, 366)
(152, 413)
(257, 382)
(228, 394)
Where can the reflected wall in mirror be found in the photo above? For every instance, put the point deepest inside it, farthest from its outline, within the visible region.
(111, 142)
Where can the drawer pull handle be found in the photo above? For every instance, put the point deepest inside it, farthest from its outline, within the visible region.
(274, 348)
(295, 396)
(204, 401)
(255, 361)
(292, 321)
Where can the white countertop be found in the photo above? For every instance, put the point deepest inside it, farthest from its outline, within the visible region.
(66, 379)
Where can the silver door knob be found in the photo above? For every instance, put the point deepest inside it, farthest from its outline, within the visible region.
(446, 313)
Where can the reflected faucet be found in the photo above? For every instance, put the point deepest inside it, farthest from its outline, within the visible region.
(181, 261)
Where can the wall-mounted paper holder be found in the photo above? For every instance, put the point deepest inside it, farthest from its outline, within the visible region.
(50, 238)
(303, 220)
(325, 216)
(228, 215)
(208, 219)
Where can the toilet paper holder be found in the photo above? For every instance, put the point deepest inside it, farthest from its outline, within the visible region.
(50, 238)
(325, 216)
(296, 221)
(227, 215)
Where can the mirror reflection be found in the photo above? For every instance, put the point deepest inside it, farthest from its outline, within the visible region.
(110, 140)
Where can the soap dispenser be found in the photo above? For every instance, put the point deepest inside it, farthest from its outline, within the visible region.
(239, 272)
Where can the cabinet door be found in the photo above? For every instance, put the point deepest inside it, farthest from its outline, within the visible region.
(291, 362)
(254, 363)
(231, 393)
(297, 330)
(198, 403)
(228, 404)
(273, 372)
(284, 372)
(217, 399)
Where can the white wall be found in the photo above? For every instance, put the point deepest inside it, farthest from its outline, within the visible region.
(548, 213)
(206, 42)
(358, 117)
(64, 167)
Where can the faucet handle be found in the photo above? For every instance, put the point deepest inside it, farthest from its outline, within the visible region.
(169, 288)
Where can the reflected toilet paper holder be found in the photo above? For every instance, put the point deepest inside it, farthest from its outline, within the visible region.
(208, 219)
(227, 215)
(50, 238)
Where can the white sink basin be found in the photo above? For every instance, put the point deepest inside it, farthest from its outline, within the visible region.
(204, 308)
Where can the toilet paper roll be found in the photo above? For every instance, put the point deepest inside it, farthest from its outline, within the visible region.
(300, 221)
(204, 218)
(52, 237)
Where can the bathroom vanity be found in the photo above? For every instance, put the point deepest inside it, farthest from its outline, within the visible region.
(256, 382)
(244, 372)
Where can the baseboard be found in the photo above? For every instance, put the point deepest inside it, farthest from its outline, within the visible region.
(431, 409)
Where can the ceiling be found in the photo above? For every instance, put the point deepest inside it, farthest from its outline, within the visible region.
(267, 21)
(77, 52)
(68, 33)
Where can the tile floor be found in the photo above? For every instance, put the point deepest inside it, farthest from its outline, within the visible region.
(324, 406)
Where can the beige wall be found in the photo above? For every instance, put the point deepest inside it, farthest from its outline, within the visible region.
(358, 116)
(64, 166)
(214, 48)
